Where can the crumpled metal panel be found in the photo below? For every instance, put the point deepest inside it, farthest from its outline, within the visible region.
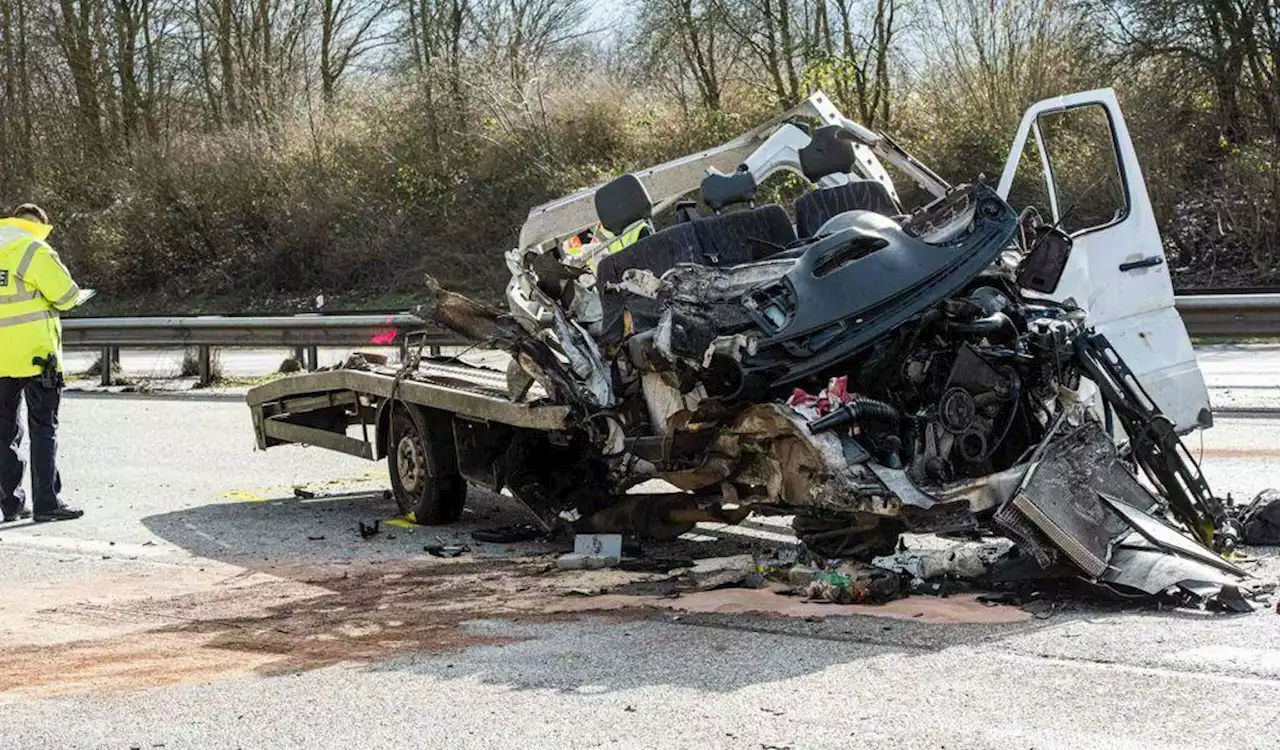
(1166, 537)
(1060, 496)
(1152, 571)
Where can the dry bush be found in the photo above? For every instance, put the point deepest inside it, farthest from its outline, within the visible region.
(360, 202)
(190, 366)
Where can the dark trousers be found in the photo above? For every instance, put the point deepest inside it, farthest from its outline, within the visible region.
(42, 421)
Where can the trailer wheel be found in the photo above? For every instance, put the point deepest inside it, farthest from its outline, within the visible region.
(423, 466)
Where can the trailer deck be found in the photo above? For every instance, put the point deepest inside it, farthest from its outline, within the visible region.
(321, 408)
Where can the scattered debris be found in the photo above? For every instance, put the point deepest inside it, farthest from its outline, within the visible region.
(366, 530)
(520, 532)
(446, 550)
(592, 552)
(1260, 519)
(601, 545)
(856, 584)
(966, 560)
(303, 493)
(576, 561)
(319, 538)
(719, 572)
(1228, 599)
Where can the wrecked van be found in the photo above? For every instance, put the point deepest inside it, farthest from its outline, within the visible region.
(969, 364)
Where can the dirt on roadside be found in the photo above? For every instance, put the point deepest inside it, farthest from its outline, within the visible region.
(149, 634)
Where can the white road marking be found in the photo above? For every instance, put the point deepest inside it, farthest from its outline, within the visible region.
(76, 545)
(206, 537)
(1111, 666)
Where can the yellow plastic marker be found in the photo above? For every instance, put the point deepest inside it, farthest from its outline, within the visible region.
(244, 496)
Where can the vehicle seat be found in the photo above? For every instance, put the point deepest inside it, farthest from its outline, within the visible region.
(817, 206)
(724, 240)
(656, 252)
(744, 236)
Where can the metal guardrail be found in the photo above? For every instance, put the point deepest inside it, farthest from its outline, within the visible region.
(303, 333)
(1213, 315)
(1230, 315)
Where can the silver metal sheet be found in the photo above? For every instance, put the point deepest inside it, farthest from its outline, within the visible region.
(1166, 537)
(1152, 571)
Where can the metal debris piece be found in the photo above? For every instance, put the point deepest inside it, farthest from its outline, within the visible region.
(1151, 571)
(598, 545)
(446, 550)
(964, 560)
(1060, 496)
(720, 572)
(1260, 520)
(577, 561)
(1166, 537)
(1229, 599)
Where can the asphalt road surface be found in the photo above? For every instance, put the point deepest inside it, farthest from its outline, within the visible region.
(201, 603)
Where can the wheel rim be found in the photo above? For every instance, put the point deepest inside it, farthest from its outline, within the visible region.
(411, 463)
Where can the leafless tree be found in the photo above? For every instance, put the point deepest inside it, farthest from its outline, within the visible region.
(684, 43)
(349, 30)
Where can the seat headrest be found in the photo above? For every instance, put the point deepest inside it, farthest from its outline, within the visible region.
(623, 202)
(830, 151)
(721, 190)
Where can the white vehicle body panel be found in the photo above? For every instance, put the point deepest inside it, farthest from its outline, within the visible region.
(1133, 306)
(763, 150)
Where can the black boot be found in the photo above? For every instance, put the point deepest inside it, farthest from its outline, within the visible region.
(61, 513)
(13, 515)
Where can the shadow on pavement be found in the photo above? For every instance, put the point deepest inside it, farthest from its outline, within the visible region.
(285, 531)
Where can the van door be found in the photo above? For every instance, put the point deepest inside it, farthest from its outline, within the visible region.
(1080, 167)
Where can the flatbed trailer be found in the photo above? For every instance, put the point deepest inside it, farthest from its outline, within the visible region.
(438, 422)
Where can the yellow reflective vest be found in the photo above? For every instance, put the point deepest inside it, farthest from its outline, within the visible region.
(603, 244)
(630, 236)
(34, 286)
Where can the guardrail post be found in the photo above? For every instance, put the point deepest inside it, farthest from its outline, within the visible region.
(105, 360)
(313, 358)
(434, 349)
(206, 369)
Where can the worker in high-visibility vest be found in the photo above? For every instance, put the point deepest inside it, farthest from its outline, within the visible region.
(589, 246)
(34, 287)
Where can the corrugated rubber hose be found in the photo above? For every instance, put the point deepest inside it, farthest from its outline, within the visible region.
(860, 411)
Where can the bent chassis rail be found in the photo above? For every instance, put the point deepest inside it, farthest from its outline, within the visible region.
(320, 408)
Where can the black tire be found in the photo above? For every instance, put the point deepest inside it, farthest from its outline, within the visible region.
(422, 461)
